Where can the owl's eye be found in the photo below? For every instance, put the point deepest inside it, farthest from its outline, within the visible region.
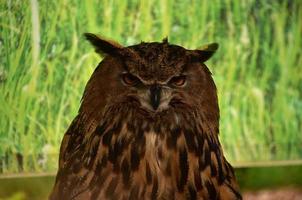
(178, 81)
(129, 79)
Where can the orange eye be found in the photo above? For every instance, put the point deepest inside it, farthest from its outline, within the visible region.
(129, 79)
(178, 81)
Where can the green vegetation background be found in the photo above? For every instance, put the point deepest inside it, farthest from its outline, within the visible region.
(45, 63)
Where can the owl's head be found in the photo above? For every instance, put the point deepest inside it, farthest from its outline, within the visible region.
(155, 77)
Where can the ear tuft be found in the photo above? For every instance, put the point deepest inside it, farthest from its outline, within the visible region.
(209, 47)
(102, 45)
(205, 53)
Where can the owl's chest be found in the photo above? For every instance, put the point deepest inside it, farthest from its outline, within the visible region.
(146, 167)
(149, 159)
(149, 165)
(159, 157)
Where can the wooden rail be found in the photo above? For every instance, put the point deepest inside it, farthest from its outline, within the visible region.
(236, 165)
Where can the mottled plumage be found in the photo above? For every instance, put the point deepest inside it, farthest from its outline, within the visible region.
(147, 128)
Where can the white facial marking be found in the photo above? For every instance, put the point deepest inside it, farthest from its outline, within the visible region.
(144, 98)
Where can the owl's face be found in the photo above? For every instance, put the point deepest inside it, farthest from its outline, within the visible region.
(160, 76)
(154, 77)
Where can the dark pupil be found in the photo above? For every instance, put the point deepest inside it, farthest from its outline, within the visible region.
(179, 80)
(130, 79)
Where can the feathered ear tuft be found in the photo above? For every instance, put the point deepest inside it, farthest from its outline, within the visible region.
(204, 53)
(103, 46)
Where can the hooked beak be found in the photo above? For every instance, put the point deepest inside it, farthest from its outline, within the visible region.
(155, 92)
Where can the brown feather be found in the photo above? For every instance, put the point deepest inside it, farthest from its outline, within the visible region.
(119, 148)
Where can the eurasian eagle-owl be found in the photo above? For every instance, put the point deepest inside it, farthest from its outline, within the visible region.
(147, 128)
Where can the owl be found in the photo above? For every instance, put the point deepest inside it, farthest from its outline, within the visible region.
(147, 128)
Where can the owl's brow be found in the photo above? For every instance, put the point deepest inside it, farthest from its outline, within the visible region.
(136, 61)
(184, 68)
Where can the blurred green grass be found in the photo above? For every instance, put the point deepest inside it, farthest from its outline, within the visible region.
(45, 64)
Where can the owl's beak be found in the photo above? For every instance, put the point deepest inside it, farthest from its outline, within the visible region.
(155, 92)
